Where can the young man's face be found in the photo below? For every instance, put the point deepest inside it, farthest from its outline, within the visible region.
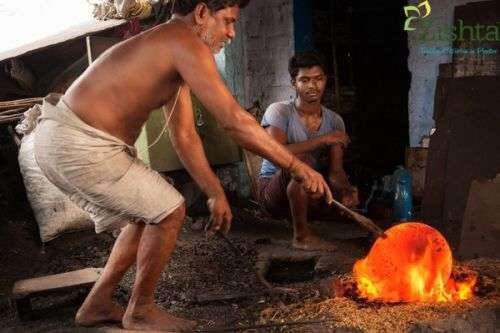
(310, 84)
(219, 28)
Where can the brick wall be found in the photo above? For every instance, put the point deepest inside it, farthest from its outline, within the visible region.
(268, 43)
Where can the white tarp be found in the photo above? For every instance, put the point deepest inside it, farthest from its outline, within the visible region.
(27, 25)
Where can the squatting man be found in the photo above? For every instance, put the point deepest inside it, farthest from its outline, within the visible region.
(317, 136)
(84, 145)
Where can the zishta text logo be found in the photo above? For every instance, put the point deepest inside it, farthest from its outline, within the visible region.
(415, 12)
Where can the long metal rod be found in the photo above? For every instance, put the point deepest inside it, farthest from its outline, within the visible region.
(362, 220)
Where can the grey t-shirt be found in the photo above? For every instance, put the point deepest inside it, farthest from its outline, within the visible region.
(284, 116)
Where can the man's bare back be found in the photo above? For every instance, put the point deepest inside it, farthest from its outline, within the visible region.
(118, 91)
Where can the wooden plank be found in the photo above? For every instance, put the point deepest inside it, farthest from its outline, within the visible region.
(481, 230)
(432, 203)
(50, 283)
(253, 165)
(253, 162)
(450, 171)
(464, 148)
(474, 143)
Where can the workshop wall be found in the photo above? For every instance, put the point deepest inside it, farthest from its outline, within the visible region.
(268, 43)
(425, 67)
(256, 68)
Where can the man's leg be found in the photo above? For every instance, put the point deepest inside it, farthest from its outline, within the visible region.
(299, 202)
(303, 238)
(98, 306)
(156, 245)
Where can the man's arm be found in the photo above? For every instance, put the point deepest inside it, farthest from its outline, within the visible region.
(196, 65)
(336, 159)
(189, 147)
(338, 178)
(310, 145)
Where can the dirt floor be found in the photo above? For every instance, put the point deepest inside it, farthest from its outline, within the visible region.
(202, 270)
(199, 269)
(217, 285)
(480, 314)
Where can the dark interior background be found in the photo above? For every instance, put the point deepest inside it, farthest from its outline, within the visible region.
(372, 75)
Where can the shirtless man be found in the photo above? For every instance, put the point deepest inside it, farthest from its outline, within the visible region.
(84, 145)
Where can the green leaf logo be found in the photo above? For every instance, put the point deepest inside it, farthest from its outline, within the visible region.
(428, 9)
(413, 13)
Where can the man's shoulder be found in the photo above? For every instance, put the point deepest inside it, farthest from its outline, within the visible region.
(176, 38)
(330, 113)
(282, 107)
(277, 114)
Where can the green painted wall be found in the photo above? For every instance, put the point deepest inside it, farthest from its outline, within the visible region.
(219, 147)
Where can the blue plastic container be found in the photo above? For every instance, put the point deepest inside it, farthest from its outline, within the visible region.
(403, 195)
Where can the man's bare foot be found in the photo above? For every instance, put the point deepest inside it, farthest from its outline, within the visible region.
(152, 318)
(312, 243)
(99, 313)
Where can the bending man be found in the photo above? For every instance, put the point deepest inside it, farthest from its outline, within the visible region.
(84, 145)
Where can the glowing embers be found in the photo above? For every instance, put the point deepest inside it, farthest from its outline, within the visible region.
(413, 264)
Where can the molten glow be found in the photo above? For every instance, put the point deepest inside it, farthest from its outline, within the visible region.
(413, 264)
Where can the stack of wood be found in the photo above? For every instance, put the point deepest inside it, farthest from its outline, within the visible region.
(12, 111)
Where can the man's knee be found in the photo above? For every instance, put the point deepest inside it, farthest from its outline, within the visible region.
(178, 214)
(176, 217)
(294, 189)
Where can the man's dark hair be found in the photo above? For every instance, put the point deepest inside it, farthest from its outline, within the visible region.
(305, 60)
(184, 7)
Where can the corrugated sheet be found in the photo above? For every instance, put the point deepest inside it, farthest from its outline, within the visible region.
(68, 34)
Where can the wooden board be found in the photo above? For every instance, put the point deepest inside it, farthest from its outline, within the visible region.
(253, 164)
(432, 203)
(481, 230)
(474, 144)
(80, 278)
(464, 148)
(450, 170)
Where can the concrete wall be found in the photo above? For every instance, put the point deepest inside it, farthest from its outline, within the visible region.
(234, 71)
(256, 62)
(425, 68)
(268, 44)
(255, 67)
